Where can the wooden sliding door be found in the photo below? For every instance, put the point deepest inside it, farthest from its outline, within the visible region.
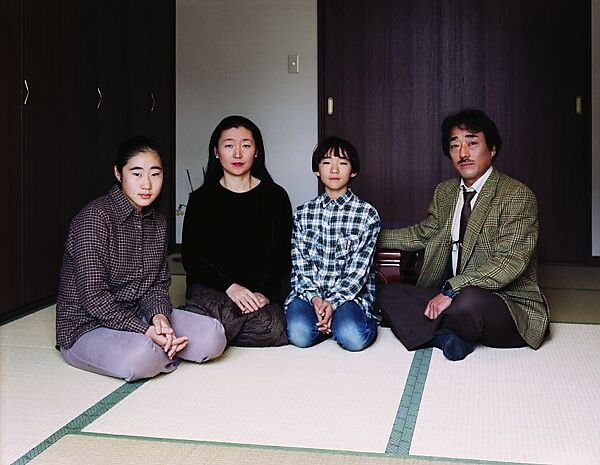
(394, 69)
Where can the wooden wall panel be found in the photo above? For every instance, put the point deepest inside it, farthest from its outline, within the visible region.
(396, 69)
(44, 160)
(11, 93)
(62, 144)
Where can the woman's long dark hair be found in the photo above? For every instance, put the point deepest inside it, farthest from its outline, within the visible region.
(214, 170)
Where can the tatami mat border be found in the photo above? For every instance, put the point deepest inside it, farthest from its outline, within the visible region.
(408, 410)
(83, 420)
(564, 322)
(296, 449)
(576, 289)
(398, 444)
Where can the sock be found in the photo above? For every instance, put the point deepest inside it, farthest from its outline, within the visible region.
(439, 340)
(456, 348)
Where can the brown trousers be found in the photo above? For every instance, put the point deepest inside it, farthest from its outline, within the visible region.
(262, 328)
(476, 315)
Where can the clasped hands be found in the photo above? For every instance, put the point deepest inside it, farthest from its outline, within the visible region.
(324, 312)
(162, 334)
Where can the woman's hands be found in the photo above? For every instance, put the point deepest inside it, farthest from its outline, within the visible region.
(162, 334)
(245, 299)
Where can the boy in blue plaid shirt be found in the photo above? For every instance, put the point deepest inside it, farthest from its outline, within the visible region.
(333, 242)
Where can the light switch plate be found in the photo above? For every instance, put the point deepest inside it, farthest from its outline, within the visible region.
(293, 64)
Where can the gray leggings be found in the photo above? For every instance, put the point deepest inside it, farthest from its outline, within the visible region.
(134, 356)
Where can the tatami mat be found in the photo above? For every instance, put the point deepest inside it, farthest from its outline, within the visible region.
(94, 450)
(520, 405)
(39, 392)
(286, 396)
(177, 290)
(516, 405)
(569, 277)
(33, 330)
(573, 306)
(175, 265)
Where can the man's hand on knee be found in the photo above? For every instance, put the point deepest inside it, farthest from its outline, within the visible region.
(437, 305)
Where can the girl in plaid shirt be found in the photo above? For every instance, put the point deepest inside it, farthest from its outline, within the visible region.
(113, 312)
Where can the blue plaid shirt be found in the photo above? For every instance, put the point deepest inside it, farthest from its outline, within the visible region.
(333, 243)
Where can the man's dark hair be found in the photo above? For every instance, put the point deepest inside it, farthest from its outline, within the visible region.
(474, 121)
(341, 148)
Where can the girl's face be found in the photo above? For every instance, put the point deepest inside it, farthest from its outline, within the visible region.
(236, 150)
(141, 178)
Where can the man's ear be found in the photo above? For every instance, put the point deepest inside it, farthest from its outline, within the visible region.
(353, 174)
(493, 151)
(117, 174)
(316, 173)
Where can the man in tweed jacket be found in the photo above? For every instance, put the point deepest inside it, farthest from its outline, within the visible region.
(478, 285)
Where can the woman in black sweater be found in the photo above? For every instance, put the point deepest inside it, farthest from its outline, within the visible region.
(236, 239)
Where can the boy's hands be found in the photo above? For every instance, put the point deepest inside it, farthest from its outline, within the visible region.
(324, 312)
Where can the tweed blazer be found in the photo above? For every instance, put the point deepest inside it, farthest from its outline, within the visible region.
(499, 248)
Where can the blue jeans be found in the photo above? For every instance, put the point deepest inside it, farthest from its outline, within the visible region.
(350, 326)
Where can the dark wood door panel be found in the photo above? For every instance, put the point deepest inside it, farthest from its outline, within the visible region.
(395, 69)
(162, 87)
(111, 61)
(44, 228)
(82, 97)
(90, 67)
(11, 93)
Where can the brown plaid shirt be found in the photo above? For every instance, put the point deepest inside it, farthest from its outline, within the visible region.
(114, 270)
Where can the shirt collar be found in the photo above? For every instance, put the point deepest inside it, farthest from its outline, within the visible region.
(339, 202)
(123, 206)
(477, 185)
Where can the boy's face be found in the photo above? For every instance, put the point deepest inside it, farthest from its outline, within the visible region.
(335, 173)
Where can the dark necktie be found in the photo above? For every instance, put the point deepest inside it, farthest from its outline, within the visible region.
(465, 214)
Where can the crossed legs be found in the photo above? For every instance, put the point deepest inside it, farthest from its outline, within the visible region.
(476, 315)
(133, 356)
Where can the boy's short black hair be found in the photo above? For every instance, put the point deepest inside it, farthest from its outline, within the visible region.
(341, 147)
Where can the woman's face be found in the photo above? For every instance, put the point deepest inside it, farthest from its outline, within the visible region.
(236, 150)
(141, 178)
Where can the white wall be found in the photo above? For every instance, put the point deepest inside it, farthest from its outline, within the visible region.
(232, 59)
(596, 128)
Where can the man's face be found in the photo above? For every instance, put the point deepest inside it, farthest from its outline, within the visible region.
(470, 154)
